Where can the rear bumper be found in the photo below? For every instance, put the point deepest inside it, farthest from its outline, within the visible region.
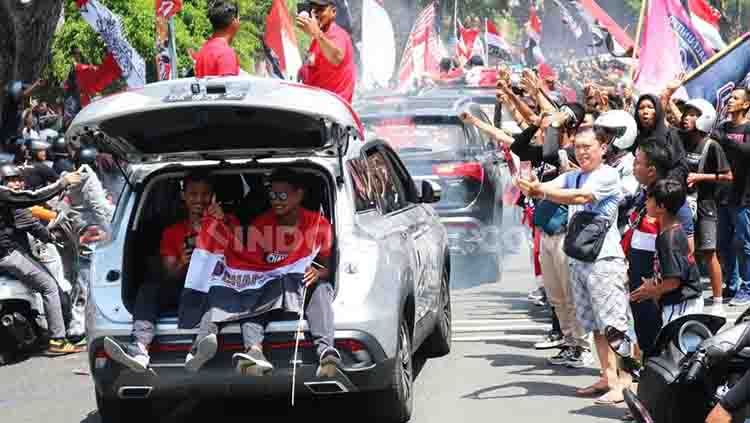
(468, 236)
(218, 378)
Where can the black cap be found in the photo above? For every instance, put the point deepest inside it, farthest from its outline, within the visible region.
(322, 2)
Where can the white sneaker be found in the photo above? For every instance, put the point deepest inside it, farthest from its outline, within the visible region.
(580, 358)
(204, 351)
(133, 356)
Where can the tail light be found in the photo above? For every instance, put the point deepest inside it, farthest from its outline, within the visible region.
(465, 170)
(350, 345)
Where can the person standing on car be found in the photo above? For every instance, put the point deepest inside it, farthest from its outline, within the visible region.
(216, 57)
(599, 288)
(16, 222)
(176, 248)
(734, 137)
(330, 61)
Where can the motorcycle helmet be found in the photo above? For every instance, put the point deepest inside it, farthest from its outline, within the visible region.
(621, 124)
(707, 118)
(9, 170)
(38, 145)
(87, 156)
(60, 147)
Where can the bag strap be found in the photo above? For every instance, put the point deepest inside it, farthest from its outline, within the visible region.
(704, 155)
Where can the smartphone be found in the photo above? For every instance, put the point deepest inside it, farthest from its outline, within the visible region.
(525, 171)
(564, 160)
(304, 7)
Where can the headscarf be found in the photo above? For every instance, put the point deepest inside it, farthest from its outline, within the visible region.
(659, 129)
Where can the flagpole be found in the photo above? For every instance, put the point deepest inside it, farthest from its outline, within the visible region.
(716, 57)
(172, 50)
(486, 44)
(455, 19)
(637, 44)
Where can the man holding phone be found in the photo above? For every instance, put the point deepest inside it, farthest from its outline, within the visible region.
(330, 61)
(176, 248)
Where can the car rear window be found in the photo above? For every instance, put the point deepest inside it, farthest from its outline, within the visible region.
(415, 136)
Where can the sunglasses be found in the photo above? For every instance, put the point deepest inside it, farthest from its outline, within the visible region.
(278, 196)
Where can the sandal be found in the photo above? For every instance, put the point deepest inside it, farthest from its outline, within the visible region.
(593, 390)
(607, 399)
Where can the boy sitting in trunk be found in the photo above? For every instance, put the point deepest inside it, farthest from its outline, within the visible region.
(176, 248)
(264, 275)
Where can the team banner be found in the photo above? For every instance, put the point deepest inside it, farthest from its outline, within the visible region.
(716, 79)
(109, 27)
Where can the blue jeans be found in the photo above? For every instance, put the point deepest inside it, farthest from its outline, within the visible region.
(726, 248)
(742, 240)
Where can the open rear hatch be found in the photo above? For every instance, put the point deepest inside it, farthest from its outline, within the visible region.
(217, 119)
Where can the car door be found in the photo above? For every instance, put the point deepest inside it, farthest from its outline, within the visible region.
(425, 239)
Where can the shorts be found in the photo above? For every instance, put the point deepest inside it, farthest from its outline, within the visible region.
(600, 293)
(706, 233)
(673, 312)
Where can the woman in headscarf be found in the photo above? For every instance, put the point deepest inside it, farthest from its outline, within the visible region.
(649, 116)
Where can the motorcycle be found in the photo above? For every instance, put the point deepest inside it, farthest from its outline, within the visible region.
(23, 328)
(693, 367)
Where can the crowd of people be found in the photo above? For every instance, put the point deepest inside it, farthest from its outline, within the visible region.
(630, 200)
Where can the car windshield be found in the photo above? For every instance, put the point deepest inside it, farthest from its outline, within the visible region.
(414, 136)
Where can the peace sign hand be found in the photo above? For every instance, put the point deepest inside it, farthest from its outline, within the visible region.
(215, 210)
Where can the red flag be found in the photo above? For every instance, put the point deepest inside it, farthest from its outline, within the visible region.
(534, 26)
(92, 79)
(706, 20)
(422, 52)
(168, 8)
(281, 41)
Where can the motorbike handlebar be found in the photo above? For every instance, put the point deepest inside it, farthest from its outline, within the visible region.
(696, 366)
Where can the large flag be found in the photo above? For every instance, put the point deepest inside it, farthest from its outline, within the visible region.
(109, 27)
(706, 20)
(280, 43)
(670, 44)
(469, 43)
(378, 45)
(569, 20)
(85, 81)
(598, 19)
(496, 45)
(229, 274)
(423, 52)
(534, 54)
(716, 80)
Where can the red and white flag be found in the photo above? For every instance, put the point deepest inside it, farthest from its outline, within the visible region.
(469, 43)
(495, 43)
(423, 52)
(706, 20)
(282, 51)
(534, 54)
(168, 8)
(109, 27)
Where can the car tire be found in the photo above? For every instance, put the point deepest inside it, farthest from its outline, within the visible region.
(395, 404)
(438, 344)
(123, 411)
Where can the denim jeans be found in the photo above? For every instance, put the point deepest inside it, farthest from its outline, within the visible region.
(726, 247)
(742, 240)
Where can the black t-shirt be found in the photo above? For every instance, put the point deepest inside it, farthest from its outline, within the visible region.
(10, 120)
(735, 140)
(673, 260)
(714, 162)
(39, 175)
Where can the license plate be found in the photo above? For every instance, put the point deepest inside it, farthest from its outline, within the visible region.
(196, 92)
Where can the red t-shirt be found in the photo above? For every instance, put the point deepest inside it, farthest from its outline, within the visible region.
(216, 58)
(173, 240)
(280, 243)
(319, 72)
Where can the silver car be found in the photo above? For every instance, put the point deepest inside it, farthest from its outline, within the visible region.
(391, 271)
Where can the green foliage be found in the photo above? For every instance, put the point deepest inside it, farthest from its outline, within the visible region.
(192, 28)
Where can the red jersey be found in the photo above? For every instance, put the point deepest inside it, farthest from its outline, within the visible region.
(216, 58)
(280, 243)
(319, 72)
(175, 238)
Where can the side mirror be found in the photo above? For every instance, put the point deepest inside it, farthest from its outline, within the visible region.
(431, 192)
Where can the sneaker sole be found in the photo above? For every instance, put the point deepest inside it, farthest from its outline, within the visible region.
(578, 364)
(206, 350)
(549, 346)
(248, 366)
(118, 354)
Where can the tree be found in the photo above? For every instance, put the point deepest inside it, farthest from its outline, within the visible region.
(25, 39)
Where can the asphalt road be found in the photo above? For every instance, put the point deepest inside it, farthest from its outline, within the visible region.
(493, 373)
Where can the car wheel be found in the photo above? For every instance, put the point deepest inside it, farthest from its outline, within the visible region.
(439, 342)
(123, 411)
(395, 404)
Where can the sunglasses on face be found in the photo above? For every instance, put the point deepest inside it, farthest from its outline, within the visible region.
(278, 196)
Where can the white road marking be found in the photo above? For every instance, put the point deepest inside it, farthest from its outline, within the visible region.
(496, 338)
(504, 328)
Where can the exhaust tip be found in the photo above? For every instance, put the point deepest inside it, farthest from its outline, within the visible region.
(326, 388)
(7, 320)
(134, 392)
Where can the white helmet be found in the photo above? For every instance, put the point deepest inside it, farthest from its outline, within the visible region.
(621, 124)
(707, 119)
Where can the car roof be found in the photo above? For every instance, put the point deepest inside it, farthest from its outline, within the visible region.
(413, 106)
(475, 93)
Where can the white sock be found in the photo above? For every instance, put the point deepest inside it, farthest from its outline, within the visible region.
(718, 300)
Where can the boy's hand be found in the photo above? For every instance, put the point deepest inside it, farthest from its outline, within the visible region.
(215, 210)
(312, 276)
(648, 291)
